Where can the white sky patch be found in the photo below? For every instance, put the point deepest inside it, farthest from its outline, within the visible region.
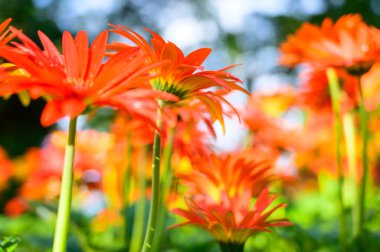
(232, 139)
(63, 124)
(312, 7)
(87, 15)
(42, 3)
(268, 83)
(170, 11)
(235, 129)
(232, 14)
(189, 32)
(92, 6)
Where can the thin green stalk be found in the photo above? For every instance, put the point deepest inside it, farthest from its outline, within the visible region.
(358, 228)
(165, 187)
(139, 217)
(155, 203)
(334, 91)
(64, 206)
(127, 186)
(350, 140)
(349, 134)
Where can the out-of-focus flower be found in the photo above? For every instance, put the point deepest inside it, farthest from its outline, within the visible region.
(106, 219)
(371, 87)
(6, 168)
(268, 131)
(183, 76)
(191, 141)
(45, 164)
(5, 37)
(91, 149)
(5, 34)
(15, 207)
(129, 154)
(275, 104)
(315, 93)
(318, 153)
(127, 129)
(232, 174)
(348, 43)
(79, 78)
(14, 71)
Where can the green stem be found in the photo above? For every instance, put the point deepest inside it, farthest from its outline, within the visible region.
(335, 96)
(349, 133)
(127, 186)
(139, 217)
(64, 206)
(165, 187)
(362, 187)
(155, 203)
(351, 185)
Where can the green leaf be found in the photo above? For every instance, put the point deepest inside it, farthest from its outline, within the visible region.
(9, 244)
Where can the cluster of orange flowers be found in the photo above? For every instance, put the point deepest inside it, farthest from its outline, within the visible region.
(154, 87)
(351, 48)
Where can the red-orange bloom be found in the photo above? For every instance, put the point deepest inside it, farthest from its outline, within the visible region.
(232, 174)
(45, 164)
(268, 131)
(5, 34)
(371, 87)
(232, 220)
(349, 43)
(315, 92)
(6, 168)
(219, 199)
(183, 76)
(15, 207)
(78, 78)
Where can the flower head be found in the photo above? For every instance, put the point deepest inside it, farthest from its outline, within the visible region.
(315, 92)
(268, 129)
(183, 76)
(5, 34)
(78, 78)
(348, 43)
(43, 166)
(219, 200)
(231, 174)
(6, 168)
(232, 220)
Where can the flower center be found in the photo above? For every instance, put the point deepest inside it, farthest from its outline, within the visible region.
(169, 87)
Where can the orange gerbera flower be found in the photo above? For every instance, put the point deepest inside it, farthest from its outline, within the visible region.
(190, 141)
(268, 131)
(77, 79)
(315, 92)
(15, 207)
(232, 220)
(6, 168)
(231, 174)
(349, 43)
(45, 164)
(219, 200)
(371, 87)
(183, 76)
(5, 34)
